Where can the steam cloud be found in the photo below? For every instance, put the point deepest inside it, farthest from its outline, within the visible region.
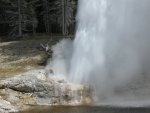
(111, 46)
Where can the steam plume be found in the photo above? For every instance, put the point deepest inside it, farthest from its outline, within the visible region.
(111, 46)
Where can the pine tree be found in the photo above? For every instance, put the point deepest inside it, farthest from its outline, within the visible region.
(65, 14)
(3, 7)
(48, 14)
(32, 17)
(20, 15)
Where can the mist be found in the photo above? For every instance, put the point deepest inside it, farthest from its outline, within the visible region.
(111, 47)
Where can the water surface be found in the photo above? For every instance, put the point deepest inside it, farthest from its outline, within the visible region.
(86, 109)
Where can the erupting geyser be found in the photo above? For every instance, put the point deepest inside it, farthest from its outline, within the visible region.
(111, 47)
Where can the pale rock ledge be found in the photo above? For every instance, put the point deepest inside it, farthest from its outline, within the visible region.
(33, 88)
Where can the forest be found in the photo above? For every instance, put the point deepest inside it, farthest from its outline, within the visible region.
(23, 18)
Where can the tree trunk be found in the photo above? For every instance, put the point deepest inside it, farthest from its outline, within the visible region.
(65, 24)
(63, 17)
(19, 19)
(33, 29)
(47, 22)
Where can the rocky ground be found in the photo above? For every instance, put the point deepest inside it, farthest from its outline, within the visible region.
(20, 56)
(34, 88)
(23, 82)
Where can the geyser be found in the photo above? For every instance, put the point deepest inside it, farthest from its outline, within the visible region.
(111, 48)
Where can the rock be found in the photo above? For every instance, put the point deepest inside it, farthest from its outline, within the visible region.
(33, 88)
(6, 107)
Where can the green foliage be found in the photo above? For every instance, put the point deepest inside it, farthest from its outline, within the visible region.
(32, 17)
(20, 15)
(48, 14)
(65, 13)
(3, 8)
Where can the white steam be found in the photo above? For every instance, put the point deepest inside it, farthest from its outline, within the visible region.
(60, 62)
(111, 47)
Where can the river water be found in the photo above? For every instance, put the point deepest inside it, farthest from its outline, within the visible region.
(87, 109)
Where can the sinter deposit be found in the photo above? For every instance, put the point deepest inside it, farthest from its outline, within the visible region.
(33, 88)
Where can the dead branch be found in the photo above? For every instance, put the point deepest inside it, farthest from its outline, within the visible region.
(46, 48)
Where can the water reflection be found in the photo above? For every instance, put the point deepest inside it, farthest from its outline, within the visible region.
(86, 109)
